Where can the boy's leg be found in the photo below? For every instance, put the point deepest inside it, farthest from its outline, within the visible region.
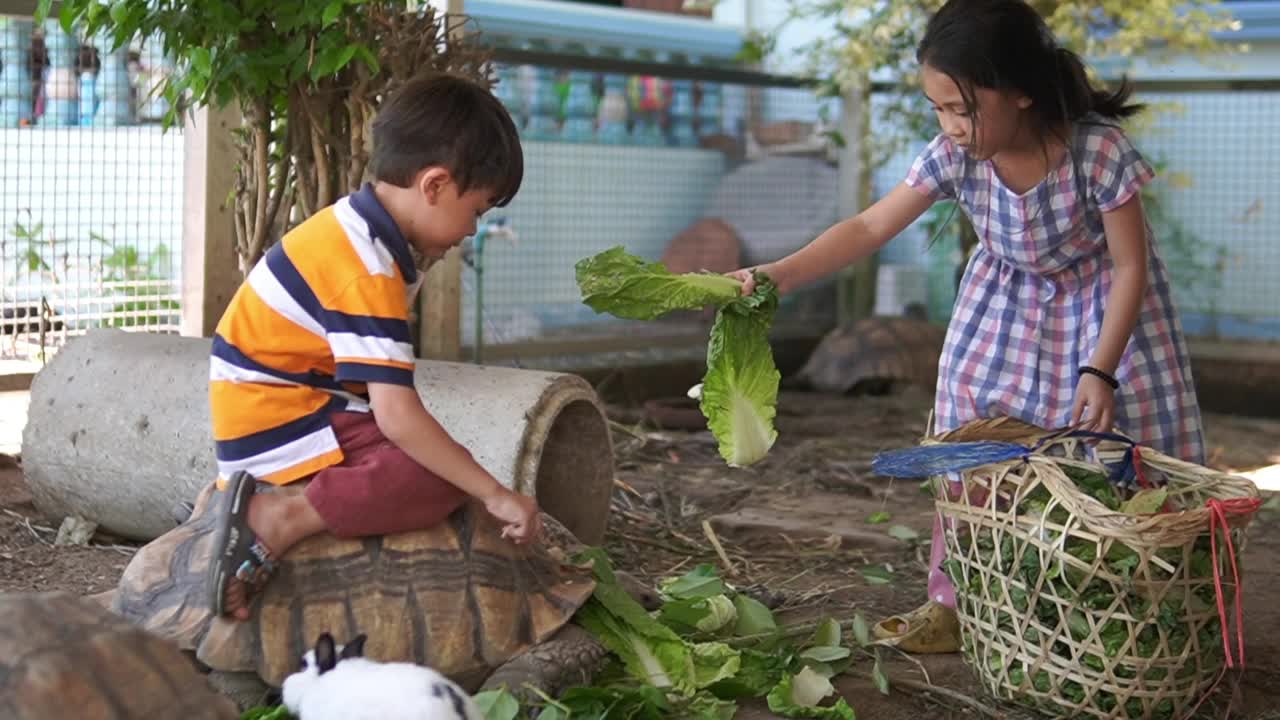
(376, 490)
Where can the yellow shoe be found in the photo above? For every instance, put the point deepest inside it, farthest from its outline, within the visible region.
(930, 628)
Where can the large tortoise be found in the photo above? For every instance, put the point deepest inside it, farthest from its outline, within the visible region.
(457, 598)
(869, 356)
(63, 656)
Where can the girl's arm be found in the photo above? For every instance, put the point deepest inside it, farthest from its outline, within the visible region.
(1126, 233)
(849, 240)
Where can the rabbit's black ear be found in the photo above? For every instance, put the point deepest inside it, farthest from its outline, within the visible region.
(355, 648)
(325, 659)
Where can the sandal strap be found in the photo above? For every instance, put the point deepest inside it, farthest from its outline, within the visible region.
(257, 567)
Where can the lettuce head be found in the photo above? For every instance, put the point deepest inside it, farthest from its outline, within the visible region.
(739, 393)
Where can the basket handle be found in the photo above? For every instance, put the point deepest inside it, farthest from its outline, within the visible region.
(930, 460)
(1123, 473)
(942, 458)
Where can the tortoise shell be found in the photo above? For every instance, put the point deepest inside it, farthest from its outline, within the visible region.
(458, 597)
(65, 656)
(872, 353)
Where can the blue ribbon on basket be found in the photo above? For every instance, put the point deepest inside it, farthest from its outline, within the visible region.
(928, 460)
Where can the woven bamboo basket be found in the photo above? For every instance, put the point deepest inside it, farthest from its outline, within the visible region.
(1079, 610)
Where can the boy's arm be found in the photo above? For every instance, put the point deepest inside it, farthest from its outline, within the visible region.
(404, 421)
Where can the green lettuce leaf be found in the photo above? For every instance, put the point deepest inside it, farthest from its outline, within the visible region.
(626, 286)
(740, 390)
(739, 393)
(797, 696)
(651, 651)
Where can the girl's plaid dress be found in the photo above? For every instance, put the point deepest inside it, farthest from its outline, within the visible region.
(1031, 303)
(1030, 306)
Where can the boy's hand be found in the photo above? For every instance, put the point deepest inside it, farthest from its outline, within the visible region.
(519, 513)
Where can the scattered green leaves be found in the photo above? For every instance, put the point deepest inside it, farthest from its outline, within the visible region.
(880, 516)
(497, 704)
(877, 574)
(904, 533)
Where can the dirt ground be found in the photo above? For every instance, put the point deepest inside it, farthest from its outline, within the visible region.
(797, 527)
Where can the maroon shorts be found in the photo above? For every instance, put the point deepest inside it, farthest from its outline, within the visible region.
(377, 489)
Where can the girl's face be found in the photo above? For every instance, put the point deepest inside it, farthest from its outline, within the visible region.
(999, 114)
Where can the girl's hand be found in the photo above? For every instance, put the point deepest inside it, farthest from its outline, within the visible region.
(1095, 403)
(744, 276)
(748, 280)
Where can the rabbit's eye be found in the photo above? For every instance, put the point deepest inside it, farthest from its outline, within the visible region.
(302, 664)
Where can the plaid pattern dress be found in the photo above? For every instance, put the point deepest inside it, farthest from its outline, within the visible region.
(1030, 306)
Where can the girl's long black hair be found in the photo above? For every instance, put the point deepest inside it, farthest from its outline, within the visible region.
(1006, 45)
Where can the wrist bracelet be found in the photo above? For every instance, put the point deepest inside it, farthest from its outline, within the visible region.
(1108, 379)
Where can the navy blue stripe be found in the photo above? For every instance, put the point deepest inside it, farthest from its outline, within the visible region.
(224, 350)
(383, 227)
(291, 280)
(272, 438)
(358, 372)
(393, 328)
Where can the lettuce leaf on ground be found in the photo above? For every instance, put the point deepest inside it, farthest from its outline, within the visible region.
(797, 696)
(651, 651)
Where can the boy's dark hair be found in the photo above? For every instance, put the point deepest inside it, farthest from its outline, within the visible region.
(1006, 45)
(443, 119)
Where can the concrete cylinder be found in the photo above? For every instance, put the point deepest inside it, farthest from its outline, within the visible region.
(118, 432)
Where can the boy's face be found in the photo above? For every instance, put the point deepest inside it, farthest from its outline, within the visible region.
(443, 217)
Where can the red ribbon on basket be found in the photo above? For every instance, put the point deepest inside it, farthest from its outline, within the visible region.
(1218, 512)
(1136, 453)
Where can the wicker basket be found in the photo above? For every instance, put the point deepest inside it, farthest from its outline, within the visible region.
(1079, 610)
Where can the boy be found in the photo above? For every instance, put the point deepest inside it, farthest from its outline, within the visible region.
(312, 371)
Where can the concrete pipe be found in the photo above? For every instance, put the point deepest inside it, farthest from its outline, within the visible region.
(118, 432)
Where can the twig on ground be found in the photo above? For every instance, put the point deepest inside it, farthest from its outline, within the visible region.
(715, 543)
(653, 543)
(926, 687)
(27, 521)
(127, 550)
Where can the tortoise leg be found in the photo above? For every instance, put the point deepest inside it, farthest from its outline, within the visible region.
(246, 689)
(570, 657)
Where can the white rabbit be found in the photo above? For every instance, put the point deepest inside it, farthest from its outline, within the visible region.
(335, 682)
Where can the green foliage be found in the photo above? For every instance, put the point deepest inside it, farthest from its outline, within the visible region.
(306, 75)
(877, 39)
(676, 670)
(1196, 265)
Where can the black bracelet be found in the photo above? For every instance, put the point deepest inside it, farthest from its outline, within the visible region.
(1088, 370)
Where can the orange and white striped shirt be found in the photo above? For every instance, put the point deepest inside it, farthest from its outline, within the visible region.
(325, 312)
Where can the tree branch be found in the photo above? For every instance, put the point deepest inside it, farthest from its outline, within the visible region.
(261, 123)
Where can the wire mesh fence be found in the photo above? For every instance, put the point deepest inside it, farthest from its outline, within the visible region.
(90, 188)
(1212, 207)
(699, 171)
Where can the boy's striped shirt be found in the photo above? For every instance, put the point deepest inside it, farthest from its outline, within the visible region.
(323, 313)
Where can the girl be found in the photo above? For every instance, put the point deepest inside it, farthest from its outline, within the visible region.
(1064, 312)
